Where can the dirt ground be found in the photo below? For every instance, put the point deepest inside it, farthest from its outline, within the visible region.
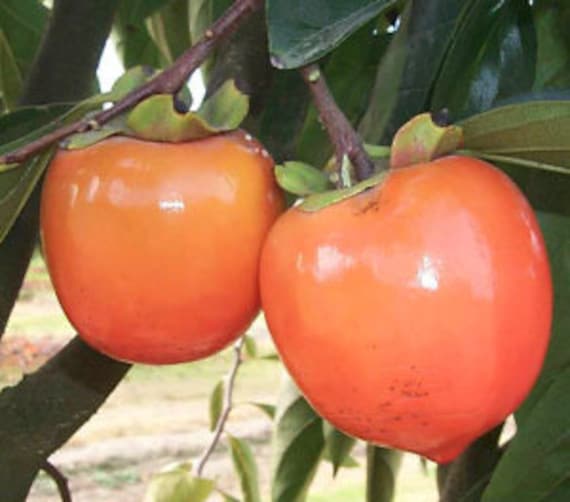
(160, 415)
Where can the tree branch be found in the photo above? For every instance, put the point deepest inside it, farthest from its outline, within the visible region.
(167, 82)
(59, 479)
(343, 136)
(228, 404)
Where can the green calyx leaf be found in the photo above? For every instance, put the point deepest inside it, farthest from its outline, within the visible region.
(421, 140)
(156, 118)
(319, 201)
(300, 178)
(130, 80)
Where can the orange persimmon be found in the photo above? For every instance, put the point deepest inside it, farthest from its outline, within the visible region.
(153, 248)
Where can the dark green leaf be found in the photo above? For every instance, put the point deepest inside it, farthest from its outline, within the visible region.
(301, 32)
(382, 467)
(22, 23)
(216, 403)
(492, 57)
(301, 179)
(134, 43)
(170, 29)
(552, 18)
(298, 446)
(536, 462)
(16, 187)
(10, 76)
(536, 130)
(244, 464)
(338, 446)
(556, 231)
(177, 484)
(410, 66)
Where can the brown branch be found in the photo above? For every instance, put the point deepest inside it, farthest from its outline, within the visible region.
(60, 480)
(167, 82)
(343, 136)
(228, 405)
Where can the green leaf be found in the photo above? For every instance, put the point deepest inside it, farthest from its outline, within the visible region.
(556, 231)
(301, 32)
(130, 80)
(244, 464)
(382, 466)
(16, 187)
(227, 497)
(268, 409)
(134, 43)
(298, 446)
(156, 118)
(492, 57)
(10, 76)
(177, 484)
(85, 139)
(319, 201)
(226, 109)
(551, 19)
(301, 179)
(536, 462)
(216, 403)
(170, 29)
(537, 131)
(22, 23)
(410, 66)
(338, 446)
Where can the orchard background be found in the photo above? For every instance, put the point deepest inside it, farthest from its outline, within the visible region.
(385, 61)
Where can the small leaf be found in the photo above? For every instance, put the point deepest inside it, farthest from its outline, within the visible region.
(216, 403)
(270, 357)
(268, 409)
(298, 446)
(338, 446)
(157, 119)
(537, 131)
(250, 346)
(177, 484)
(319, 201)
(244, 464)
(421, 140)
(300, 178)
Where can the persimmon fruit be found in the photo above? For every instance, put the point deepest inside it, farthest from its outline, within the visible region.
(153, 248)
(417, 313)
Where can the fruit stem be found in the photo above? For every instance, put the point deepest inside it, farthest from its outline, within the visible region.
(60, 480)
(167, 82)
(228, 405)
(344, 138)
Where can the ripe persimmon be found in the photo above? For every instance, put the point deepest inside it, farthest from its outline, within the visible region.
(153, 248)
(417, 313)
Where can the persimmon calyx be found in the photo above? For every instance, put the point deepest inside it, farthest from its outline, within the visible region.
(420, 140)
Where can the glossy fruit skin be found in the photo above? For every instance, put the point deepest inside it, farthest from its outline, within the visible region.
(153, 248)
(416, 315)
